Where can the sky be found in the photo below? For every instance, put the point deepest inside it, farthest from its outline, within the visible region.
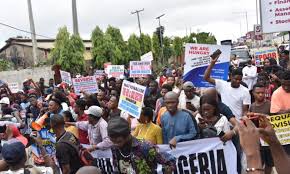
(226, 19)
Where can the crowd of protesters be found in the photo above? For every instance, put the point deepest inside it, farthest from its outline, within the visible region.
(53, 118)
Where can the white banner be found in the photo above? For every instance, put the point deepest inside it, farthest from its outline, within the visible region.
(275, 15)
(66, 77)
(147, 57)
(209, 156)
(14, 87)
(116, 71)
(87, 84)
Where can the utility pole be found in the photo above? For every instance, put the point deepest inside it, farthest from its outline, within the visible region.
(33, 35)
(75, 17)
(161, 37)
(246, 15)
(138, 17)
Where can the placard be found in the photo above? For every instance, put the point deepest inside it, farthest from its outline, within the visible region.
(281, 126)
(116, 71)
(87, 84)
(140, 68)
(197, 58)
(14, 87)
(131, 99)
(275, 15)
(147, 57)
(66, 77)
(266, 52)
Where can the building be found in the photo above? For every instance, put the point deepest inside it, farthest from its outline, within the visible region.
(19, 51)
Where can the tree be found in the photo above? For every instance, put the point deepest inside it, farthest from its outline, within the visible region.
(189, 39)
(167, 48)
(68, 52)
(205, 38)
(156, 49)
(178, 46)
(145, 43)
(134, 48)
(98, 46)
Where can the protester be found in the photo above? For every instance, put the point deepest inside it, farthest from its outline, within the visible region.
(284, 61)
(172, 82)
(188, 98)
(113, 107)
(232, 94)
(54, 107)
(70, 128)
(160, 102)
(177, 125)
(67, 146)
(79, 109)
(147, 130)
(96, 127)
(128, 151)
(234, 61)
(154, 94)
(250, 74)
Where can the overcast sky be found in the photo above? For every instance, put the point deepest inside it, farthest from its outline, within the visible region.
(220, 17)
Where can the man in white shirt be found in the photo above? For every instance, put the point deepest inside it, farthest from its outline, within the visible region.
(188, 99)
(233, 94)
(250, 75)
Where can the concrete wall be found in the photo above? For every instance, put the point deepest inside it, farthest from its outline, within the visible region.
(21, 75)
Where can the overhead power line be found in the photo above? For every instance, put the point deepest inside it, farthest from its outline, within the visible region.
(15, 28)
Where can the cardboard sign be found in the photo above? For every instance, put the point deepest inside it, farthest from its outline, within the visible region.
(66, 77)
(140, 68)
(281, 126)
(147, 57)
(131, 99)
(99, 73)
(87, 84)
(202, 156)
(116, 71)
(275, 15)
(197, 58)
(262, 53)
(14, 87)
(106, 66)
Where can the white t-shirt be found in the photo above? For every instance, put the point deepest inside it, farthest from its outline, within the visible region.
(222, 125)
(250, 76)
(183, 100)
(234, 98)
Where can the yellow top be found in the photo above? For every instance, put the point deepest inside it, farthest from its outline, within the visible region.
(73, 130)
(149, 132)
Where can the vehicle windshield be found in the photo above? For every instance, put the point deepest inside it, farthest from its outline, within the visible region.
(241, 54)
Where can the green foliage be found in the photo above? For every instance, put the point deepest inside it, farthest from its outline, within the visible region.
(167, 48)
(178, 46)
(206, 38)
(99, 46)
(68, 52)
(134, 47)
(156, 49)
(4, 65)
(145, 43)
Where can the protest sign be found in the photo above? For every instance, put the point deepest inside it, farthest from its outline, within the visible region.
(281, 125)
(147, 57)
(99, 73)
(131, 99)
(197, 156)
(197, 58)
(66, 77)
(87, 84)
(266, 52)
(140, 68)
(275, 15)
(14, 87)
(116, 71)
(106, 66)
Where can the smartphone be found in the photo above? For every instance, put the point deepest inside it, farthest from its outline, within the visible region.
(221, 134)
(216, 53)
(255, 120)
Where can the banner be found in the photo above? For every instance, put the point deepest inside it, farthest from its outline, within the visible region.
(14, 87)
(275, 15)
(131, 99)
(99, 73)
(262, 53)
(87, 84)
(66, 77)
(197, 58)
(106, 66)
(281, 126)
(147, 57)
(140, 68)
(116, 71)
(210, 156)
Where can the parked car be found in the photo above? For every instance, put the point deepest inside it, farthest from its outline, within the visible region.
(243, 55)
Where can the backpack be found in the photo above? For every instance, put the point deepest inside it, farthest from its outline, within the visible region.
(85, 156)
